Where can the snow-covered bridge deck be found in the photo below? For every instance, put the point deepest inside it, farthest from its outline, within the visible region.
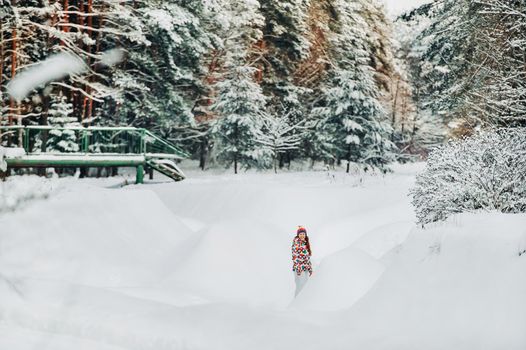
(92, 147)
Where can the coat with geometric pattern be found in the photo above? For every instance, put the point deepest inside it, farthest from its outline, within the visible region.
(300, 256)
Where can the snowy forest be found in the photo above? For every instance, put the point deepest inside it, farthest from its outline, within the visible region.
(260, 83)
(262, 174)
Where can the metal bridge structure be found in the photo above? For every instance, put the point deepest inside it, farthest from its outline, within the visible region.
(85, 147)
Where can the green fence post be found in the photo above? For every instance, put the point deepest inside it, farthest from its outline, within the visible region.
(26, 140)
(139, 178)
(85, 141)
(142, 146)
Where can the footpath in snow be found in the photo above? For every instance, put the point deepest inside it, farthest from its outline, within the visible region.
(205, 264)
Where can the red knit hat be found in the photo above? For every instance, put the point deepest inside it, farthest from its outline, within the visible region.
(301, 229)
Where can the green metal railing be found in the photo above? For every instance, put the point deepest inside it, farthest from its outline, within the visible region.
(94, 140)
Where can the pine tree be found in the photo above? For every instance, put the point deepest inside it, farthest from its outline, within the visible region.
(22, 44)
(163, 76)
(416, 129)
(61, 116)
(286, 26)
(195, 71)
(495, 85)
(470, 61)
(351, 121)
(240, 101)
(378, 35)
(240, 104)
(36, 30)
(441, 55)
(285, 40)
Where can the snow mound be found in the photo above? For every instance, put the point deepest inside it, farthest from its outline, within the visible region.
(454, 285)
(93, 236)
(340, 280)
(383, 239)
(24, 339)
(17, 190)
(384, 216)
(336, 214)
(238, 261)
(9, 152)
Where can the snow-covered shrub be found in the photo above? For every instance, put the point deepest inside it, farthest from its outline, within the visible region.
(486, 171)
(3, 163)
(17, 190)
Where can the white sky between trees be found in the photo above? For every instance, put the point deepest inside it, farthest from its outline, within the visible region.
(397, 7)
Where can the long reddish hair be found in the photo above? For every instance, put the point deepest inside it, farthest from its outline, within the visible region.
(306, 240)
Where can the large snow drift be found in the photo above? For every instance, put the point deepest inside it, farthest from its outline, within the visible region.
(341, 279)
(98, 237)
(454, 285)
(205, 264)
(238, 261)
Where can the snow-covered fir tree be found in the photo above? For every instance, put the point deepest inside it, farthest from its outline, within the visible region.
(287, 48)
(239, 101)
(21, 33)
(468, 64)
(35, 30)
(441, 58)
(379, 37)
(239, 105)
(286, 27)
(351, 121)
(497, 74)
(326, 64)
(163, 74)
(61, 116)
(416, 129)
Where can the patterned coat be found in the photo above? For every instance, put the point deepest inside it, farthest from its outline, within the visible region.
(300, 256)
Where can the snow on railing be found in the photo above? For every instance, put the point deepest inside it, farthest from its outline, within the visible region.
(93, 139)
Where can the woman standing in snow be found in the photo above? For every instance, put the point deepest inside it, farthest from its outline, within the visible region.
(301, 254)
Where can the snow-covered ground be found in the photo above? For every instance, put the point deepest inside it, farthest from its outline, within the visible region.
(205, 264)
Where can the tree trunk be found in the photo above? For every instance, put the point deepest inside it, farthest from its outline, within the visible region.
(415, 117)
(1, 67)
(236, 141)
(78, 100)
(44, 134)
(13, 72)
(395, 103)
(65, 19)
(87, 104)
(91, 110)
(203, 153)
(349, 158)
